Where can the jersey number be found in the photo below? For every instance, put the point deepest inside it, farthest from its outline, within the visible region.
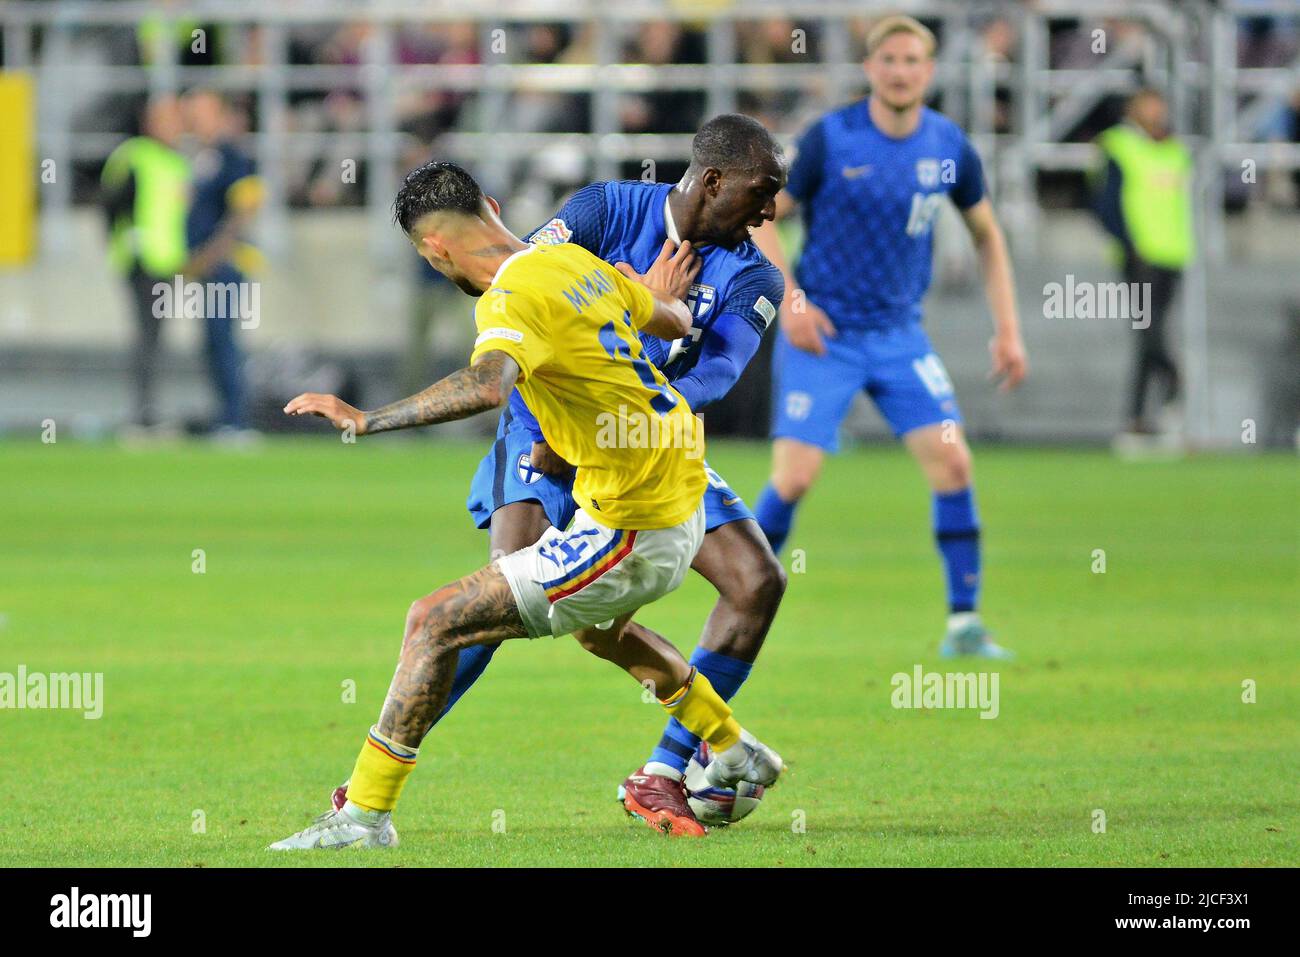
(571, 548)
(664, 399)
(925, 206)
(685, 342)
(933, 375)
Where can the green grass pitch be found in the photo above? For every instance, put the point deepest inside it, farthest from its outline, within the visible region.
(225, 724)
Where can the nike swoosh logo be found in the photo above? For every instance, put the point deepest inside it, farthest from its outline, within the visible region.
(336, 845)
(731, 501)
(853, 172)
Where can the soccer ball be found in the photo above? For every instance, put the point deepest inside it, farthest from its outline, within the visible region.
(714, 806)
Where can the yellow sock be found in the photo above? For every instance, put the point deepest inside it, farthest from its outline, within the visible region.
(381, 771)
(702, 711)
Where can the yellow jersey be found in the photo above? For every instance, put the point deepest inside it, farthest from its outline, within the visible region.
(570, 321)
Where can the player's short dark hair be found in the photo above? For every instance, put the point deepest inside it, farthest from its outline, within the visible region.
(733, 141)
(433, 188)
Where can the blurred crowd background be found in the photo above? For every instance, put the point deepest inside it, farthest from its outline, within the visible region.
(329, 109)
(330, 102)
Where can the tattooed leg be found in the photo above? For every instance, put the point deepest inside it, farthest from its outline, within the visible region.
(478, 609)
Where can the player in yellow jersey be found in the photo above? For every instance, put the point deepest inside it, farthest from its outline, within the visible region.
(561, 325)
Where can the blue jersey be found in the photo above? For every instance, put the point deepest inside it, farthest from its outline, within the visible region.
(733, 299)
(216, 170)
(869, 202)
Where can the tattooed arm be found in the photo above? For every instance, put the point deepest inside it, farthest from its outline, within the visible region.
(484, 385)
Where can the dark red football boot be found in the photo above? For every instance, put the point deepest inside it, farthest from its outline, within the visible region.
(661, 803)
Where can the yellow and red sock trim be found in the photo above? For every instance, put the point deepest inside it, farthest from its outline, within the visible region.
(384, 746)
(681, 692)
(701, 710)
(380, 773)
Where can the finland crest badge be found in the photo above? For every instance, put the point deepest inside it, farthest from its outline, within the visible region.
(553, 233)
(700, 299)
(927, 173)
(527, 474)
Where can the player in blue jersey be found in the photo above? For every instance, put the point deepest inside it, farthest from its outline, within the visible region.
(870, 178)
(521, 487)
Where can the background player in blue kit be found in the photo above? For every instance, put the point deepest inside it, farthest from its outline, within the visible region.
(521, 488)
(871, 177)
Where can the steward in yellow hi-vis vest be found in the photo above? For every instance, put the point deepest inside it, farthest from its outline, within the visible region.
(1154, 184)
(561, 325)
(1144, 200)
(570, 320)
(147, 187)
(146, 198)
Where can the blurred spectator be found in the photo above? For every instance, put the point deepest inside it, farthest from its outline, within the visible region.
(227, 195)
(423, 111)
(998, 41)
(775, 40)
(1265, 41)
(193, 43)
(146, 183)
(535, 109)
(1144, 202)
(337, 176)
(661, 43)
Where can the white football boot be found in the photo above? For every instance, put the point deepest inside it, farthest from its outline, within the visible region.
(747, 760)
(337, 830)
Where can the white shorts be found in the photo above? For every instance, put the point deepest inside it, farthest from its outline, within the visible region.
(592, 574)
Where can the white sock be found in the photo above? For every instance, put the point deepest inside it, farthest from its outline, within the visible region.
(735, 757)
(663, 770)
(960, 619)
(362, 815)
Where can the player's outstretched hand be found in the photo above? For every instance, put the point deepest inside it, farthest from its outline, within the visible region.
(340, 414)
(547, 461)
(804, 325)
(1010, 364)
(672, 272)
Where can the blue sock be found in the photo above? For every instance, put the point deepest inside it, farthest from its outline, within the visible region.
(957, 534)
(775, 516)
(726, 674)
(473, 661)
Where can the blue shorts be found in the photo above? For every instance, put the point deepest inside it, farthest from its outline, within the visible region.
(897, 367)
(506, 475)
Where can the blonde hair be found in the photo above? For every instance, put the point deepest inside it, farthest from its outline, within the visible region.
(886, 27)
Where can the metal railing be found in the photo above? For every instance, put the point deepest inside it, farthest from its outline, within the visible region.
(1189, 48)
